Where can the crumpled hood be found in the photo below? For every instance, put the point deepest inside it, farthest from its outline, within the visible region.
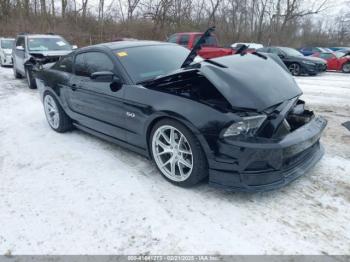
(251, 82)
(51, 53)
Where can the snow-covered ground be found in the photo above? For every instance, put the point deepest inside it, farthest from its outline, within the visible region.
(73, 193)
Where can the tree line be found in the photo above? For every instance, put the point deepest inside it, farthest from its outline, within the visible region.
(271, 22)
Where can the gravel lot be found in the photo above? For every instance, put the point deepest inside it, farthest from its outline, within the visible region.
(76, 194)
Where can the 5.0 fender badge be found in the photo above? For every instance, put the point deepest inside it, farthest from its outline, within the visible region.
(130, 114)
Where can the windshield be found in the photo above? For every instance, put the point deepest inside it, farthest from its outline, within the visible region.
(290, 51)
(7, 44)
(339, 54)
(48, 44)
(147, 62)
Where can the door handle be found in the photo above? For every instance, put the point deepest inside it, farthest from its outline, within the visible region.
(73, 87)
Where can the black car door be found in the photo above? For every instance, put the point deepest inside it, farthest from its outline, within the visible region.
(95, 105)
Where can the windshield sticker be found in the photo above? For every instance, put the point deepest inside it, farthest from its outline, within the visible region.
(61, 43)
(122, 54)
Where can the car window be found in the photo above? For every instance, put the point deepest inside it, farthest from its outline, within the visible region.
(315, 49)
(275, 51)
(48, 44)
(172, 39)
(20, 42)
(165, 59)
(264, 50)
(7, 43)
(326, 55)
(91, 62)
(65, 64)
(184, 39)
(307, 49)
(209, 41)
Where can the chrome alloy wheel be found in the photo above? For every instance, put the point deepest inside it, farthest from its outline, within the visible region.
(51, 111)
(294, 69)
(172, 153)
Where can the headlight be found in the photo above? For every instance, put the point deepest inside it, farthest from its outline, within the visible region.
(308, 63)
(248, 126)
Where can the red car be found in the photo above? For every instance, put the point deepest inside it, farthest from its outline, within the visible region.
(336, 61)
(210, 49)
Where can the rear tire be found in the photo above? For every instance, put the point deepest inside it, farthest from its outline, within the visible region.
(346, 68)
(30, 79)
(55, 115)
(173, 143)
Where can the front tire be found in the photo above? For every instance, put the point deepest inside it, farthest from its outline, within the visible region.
(15, 73)
(30, 79)
(55, 116)
(177, 153)
(295, 69)
(346, 68)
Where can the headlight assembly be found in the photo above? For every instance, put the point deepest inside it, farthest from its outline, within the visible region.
(247, 126)
(308, 63)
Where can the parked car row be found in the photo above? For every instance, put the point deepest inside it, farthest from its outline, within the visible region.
(299, 62)
(27, 53)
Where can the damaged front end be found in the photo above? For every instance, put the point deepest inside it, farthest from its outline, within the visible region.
(39, 61)
(269, 138)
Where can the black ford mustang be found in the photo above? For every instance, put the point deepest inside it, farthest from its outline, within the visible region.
(236, 119)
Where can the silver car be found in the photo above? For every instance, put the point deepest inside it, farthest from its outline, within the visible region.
(6, 45)
(32, 51)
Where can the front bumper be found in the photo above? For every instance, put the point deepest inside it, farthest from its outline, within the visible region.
(252, 166)
(313, 69)
(7, 61)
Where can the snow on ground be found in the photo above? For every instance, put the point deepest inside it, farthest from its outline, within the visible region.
(76, 194)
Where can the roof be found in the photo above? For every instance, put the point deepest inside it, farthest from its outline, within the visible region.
(128, 44)
(41, 35)
(6, 38)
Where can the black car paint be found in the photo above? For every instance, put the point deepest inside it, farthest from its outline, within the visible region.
(126, 117)
(288, 60)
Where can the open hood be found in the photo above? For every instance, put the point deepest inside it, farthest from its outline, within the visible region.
(251, 82)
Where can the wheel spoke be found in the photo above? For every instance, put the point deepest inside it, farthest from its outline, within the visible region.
(167, 139)
(172, 167)
(172, 136)
(167, 162)
(162, 145)
(185, 163)
(182, 174)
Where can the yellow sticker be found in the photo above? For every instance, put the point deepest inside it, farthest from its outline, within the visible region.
(121, 54)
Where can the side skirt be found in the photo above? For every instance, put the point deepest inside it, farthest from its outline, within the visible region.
(118, 142)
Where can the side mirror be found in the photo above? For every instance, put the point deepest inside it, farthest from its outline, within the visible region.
(281, 55)
(107, 76)
(103, 76)
(21, 48)
(74, 47)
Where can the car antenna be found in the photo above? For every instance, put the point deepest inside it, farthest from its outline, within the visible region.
(198, 46)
